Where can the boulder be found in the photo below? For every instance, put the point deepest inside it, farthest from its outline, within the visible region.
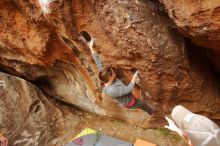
(29, 118)
(43, 48)
(200, 21)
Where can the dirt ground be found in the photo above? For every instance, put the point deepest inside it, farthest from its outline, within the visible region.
(122, 130)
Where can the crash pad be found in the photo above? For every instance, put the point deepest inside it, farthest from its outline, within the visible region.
(140, 142)
(90, 137)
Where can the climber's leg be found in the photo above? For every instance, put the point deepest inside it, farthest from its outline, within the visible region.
(143, 106)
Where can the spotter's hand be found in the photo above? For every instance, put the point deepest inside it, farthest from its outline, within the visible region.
(172, 126)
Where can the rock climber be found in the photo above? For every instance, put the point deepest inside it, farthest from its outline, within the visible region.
(111, 85)
(3, 140)
(195, 129)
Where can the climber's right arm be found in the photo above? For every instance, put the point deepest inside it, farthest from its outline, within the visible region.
(95, 56)
(98, 61)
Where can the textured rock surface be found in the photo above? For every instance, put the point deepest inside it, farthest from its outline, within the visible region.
(200, 21)
(28, 117)
(130, 34)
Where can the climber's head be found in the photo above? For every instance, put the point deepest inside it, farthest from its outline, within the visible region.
(107, 75)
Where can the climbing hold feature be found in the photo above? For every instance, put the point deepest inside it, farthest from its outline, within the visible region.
(2, 84)
(45, 4)
(86, 36)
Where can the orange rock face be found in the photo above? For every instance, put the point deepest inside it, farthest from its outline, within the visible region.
(200, 21)
(28, 117)
(44, 49)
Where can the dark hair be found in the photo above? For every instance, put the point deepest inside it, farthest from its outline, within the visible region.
(104, 75)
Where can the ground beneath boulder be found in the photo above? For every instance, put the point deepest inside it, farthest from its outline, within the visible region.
(123, 130)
